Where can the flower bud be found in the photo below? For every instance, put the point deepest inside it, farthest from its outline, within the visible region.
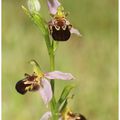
(33, 5)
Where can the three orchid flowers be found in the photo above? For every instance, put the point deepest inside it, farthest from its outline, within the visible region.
(60, 29)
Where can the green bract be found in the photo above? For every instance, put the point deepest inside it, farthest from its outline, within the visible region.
(37, 20)
(65, 94)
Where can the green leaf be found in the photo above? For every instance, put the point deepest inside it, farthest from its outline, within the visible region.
(53, 104)
(64, 105)
(65, 94)
(37, 20)
(25, 11)
(41, 24)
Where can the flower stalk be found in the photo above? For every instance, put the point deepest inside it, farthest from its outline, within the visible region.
(51, 52)
(52, 67)
(60, 29)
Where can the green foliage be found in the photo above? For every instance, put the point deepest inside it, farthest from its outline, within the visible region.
(37, 20)
(65, 103)
(65, 94)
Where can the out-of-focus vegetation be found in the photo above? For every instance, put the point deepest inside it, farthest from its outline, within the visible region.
(92, 59)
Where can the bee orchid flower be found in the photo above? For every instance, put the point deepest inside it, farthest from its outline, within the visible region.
(60, 28)
(39, 81)
(67, 116)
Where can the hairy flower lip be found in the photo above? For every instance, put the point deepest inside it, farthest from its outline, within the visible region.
(60, 28)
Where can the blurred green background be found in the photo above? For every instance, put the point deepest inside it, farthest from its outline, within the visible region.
(92, 59)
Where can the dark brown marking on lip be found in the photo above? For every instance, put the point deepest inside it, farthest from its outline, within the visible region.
(76, 116)
(29, 82)
(61, 35)
(20, 87)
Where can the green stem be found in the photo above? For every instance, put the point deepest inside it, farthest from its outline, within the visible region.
(50, 48)
(51, 55)
(48, 43)
(52, 67)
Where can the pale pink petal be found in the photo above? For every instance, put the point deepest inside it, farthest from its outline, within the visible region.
(53, 5)
(59, 75)
(46, 116)
(60, 118)
(75, 31)
(45, 90)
